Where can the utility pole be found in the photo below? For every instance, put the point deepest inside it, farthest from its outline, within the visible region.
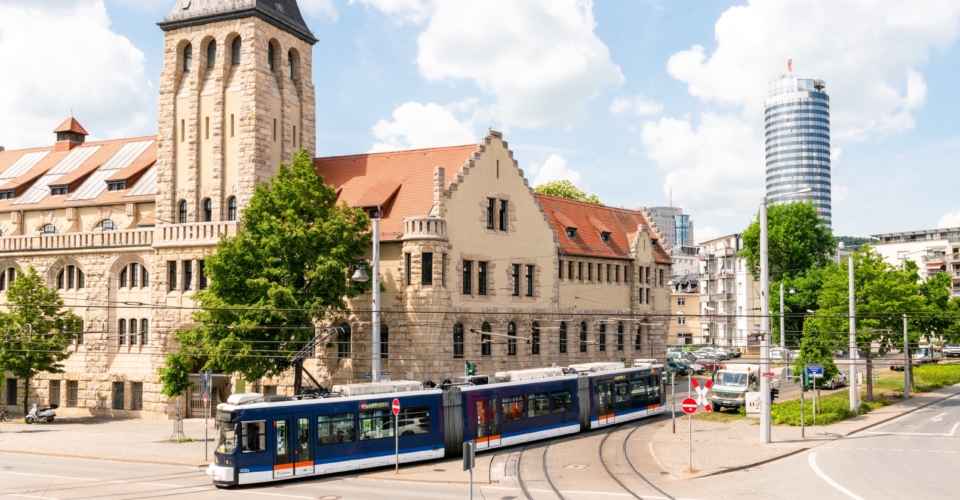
(375, 281)
(853, 341)
(906, 360)
(765, 432)
(783, 332)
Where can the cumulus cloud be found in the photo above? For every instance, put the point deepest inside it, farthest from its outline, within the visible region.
(554, 169)
(105, 87)
(951, 219)
(637, 105)
(705, 233)
(416, 126)
(403, 11)
(319, 8)
(539, 59)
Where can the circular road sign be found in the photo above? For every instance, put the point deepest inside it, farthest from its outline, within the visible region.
(689, 406)
(396, 407)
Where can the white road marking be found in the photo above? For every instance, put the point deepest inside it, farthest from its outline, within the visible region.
(950, 434)
(813, 465)
(938, 417)
(30, 496)
(50, 476)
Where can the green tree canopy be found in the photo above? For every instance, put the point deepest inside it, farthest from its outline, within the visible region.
(797, 240)
(566, 189)
(805, 297)
(36, 331)
(269, 285)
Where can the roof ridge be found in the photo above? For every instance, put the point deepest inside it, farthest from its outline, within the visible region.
(587, 203)
(399, 151)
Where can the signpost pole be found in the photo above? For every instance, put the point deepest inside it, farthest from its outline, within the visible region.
(395, 407)
(802, 421)
(690, 440)
(673, 406)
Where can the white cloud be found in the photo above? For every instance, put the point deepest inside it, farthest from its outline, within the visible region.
(539, 59)
(319, 8)
(839, 194)
(951, 219)
(554, 169)
(402, 11)
(638, 105)
(705, 233)
(416, 126)
(101, 78)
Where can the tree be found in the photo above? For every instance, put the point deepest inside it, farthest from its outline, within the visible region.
(566, 189)
(175, 375)
(806, 297)
(797, 240)
(37, 330)
(273, 281)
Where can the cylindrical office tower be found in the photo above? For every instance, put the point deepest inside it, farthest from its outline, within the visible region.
(798, 142)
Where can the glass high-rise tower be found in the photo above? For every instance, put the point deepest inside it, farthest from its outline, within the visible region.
(798, 142)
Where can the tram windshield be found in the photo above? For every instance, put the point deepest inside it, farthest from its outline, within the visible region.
(227, 441)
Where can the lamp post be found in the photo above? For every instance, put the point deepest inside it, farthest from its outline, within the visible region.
(853, 341)
(360, 276)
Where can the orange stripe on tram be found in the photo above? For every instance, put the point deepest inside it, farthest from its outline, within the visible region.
(283, 467)
(304, 464)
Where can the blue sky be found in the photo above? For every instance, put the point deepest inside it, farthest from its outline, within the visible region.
(628, 98)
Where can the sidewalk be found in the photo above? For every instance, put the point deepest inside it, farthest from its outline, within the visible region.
(723, 447)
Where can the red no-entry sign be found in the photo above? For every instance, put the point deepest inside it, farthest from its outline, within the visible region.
(689, 406)
(396, 406)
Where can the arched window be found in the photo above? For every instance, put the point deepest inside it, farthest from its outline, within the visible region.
(207, 210)
(563, 337)
(485, 347)
(144, 337)
(232, 208)
(235, 51)
(133, 332)
(290, 64)
(512, 342)
(70, 278)
(107, 225)
(343, 341)
(458, 340)
(187, 57)
(583, 337)
(48, 229)
(535, 338)
(271, 56)
(619, 336)
(183, 211)
(384, 341)
(211, 54)
(123, 277)
(602, 340)
(122, 331)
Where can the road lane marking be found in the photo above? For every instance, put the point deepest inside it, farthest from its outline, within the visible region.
(950, 434)
(938, 417)
(30, 496)
(813, 465)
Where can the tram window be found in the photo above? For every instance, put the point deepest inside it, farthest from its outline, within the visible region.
(561, 402)
(620, 392)
(638, 390)
(377, 424)
(333, 429)
(512, 408)
(227, 442)
(654, 392)
(538, 405)
(254, 436)
(414, 420)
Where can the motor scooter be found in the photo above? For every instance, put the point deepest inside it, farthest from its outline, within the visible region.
(44, 414)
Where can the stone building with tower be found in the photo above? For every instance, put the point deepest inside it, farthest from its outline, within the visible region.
(475, 266)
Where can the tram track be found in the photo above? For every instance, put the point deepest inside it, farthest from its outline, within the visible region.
(607, 467)
(626, 456)
(634, 468)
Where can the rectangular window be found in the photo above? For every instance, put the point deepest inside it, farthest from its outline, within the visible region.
(561, 402)
(123, 277)
(681, 320)
(570, 270)
(481, 278)
(294, 136)
(171, 275)
(407, 268)
(377, 424)
(426, 268)
(485, 340)
(638, 340)
(538, 405)
(11, 392)
(71, 274)
(620, 341)
(343, 341)
(529, 281)
(563, 338)
(117, 396)
(122, 331)
(384, 341)
(618, 274)
(274, 130)
(202, 275)
(133, 332)
(681, 301)
(134, 274)
(467, 275)
(647, 293)
(503, 215)
(183, 131)
(144, 331)
(72, 387)
(11, 275)
(512, 408)
(602, 337)
(609, 266)
(144, 277)
(580, 271)
(54, 397)
(443, 270)
(516, 280)
(206, 128)
(491, 206)
(136, 396)
(335, 429)
(589, 271)
(413, 421)
(560, 271)
(187, 275)
(583, 337)
(254, 437)
(79, 332)
(231, 125)
(458, 340)
(621, 392)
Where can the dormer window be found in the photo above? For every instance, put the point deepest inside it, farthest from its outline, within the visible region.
(571, 232)
(7, 194)
(279, 7)
(117, 185)
(605, 237)
(58, 190)
(374, 213)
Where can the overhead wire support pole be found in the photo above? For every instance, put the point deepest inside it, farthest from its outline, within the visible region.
(853, 339)
(765, 431)
(783, 331)
(375, 281)
(906, 360)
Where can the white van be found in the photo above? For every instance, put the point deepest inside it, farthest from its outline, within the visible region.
(731, 384)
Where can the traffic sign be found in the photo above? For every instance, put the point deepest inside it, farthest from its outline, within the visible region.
(767, 374)
(385, 374)
(703, 393)
(689, 406)
(396, 407)
(815, 371)
(368, 376)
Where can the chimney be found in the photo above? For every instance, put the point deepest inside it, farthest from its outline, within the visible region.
(70, 134)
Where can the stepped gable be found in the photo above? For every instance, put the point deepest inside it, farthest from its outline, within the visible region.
(590, 221)
(402, 180)
(284, 14)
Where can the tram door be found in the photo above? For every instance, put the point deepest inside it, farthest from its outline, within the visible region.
(282, 449)
(303, 450)
(605, 403)
(487, 411)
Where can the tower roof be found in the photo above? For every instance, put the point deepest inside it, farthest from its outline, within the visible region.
(71, 125)
(284, 14)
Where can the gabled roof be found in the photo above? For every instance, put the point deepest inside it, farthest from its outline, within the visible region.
(365, 178)
(621, 223)
(71, 125)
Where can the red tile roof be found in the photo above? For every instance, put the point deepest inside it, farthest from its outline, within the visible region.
(593, 219)
(71, 125)
(365, 177)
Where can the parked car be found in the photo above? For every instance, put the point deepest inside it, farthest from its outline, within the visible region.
(926, 354)
(782, 354)
(729, 352)
(950, 350)
(698, 369)
(838, 380)
(711, 364)
(679, 367)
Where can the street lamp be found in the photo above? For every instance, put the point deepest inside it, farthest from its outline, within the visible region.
(360, 276)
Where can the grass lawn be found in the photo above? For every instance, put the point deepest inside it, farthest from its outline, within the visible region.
(926, 378)
(724, 416)
(833, 408)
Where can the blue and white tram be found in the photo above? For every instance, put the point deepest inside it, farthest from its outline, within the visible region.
(261, 441)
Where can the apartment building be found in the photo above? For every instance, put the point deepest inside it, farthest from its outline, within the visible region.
(934, 251)
(729, 296)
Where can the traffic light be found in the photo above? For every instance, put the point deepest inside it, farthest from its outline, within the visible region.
(469, 369)
(774, 392)
(806, 381)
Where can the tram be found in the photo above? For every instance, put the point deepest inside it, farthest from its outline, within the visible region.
(267, 439)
